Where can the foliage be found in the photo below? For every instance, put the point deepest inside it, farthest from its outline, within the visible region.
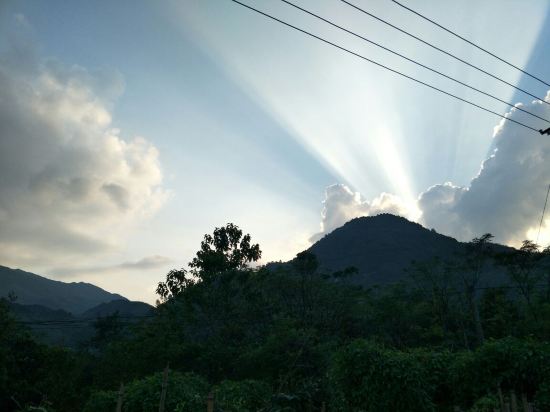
(242, 396)
(510, 364)
(101, 401)
(542, 398)
(225, 250)
(107, 329)
(292, 337)
(185, 393)
(485, 404)
(368, 377)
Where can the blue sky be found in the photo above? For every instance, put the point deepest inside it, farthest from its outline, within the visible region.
(246, 121)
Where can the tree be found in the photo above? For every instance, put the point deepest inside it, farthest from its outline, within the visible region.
(435, 278)
(107, 329)
(225, 250)
(478, 252)
(177, 280)
(523, 269)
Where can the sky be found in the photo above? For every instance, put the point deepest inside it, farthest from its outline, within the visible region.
(130, 129)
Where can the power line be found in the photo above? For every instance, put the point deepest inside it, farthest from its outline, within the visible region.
(79, 321)
(443, 51)
(377, 288)
(412, 60)
(542, 217)
(383, 66)
(470, 42)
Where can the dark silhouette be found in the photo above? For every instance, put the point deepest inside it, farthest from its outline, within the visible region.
(547, 131)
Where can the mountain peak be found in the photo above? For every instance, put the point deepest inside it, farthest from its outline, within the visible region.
(74, 297)
(381, 247)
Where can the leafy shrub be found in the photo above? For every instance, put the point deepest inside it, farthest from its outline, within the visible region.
(184, 393)
(368, 377)
(242, 396)
(542, 398)
(513, 364)
(102, 401)
(485, 404)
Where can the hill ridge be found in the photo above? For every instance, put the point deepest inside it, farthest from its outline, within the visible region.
(382, 247)
(73, 297)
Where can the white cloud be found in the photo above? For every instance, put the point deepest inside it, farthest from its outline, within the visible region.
(70, 186)
(341, 204)
(505, 198)
(507, 195)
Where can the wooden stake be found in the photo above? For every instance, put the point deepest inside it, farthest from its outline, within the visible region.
(119, 398)
(210, 403)
(513, 401)
(323, 407)
(526, 406)
(163, 391)
(501, 400)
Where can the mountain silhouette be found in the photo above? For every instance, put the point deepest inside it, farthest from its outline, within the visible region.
(123, 307)
(31, 289)
(382, 247)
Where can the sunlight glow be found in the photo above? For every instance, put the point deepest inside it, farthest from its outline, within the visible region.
(340, 109)
(391, 162)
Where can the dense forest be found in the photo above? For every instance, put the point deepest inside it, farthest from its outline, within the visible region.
(293, 337)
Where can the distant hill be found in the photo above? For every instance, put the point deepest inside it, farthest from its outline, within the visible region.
(124, 308)
(381, 248)
(31, 289)
(58, 327)
(55, 327)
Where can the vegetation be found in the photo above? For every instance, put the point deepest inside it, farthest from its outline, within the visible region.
(293, 338)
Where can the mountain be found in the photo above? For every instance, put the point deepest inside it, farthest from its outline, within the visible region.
(124, 308)
(51, 326)
(382, 247)
(31, 289)
(62, 313)
(58, 327)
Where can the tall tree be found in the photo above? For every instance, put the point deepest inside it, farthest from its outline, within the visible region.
(478, 252)
(225, 250)
(524, 269)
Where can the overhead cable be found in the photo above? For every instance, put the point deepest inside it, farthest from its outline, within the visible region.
(444, 51)
(470, 42)
(383, 66)
(413, 61)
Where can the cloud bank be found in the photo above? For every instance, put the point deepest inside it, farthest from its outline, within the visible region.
(505, 198)
(141, 265)
(70, 186)
(341, 204)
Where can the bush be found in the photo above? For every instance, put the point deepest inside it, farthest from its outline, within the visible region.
(102, 401)
(485, 404)
(542, 398)
(242, 396)
(184, 393)
(511, 364)
(368, 377)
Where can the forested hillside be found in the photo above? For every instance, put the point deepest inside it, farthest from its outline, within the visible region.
(31, 289)
(301, 337)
